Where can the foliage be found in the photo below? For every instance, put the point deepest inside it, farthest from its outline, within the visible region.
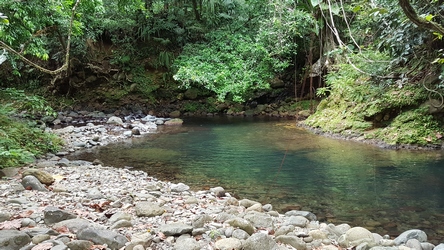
(20, 138)
(355, 98)
(414, 126)
(231, 65)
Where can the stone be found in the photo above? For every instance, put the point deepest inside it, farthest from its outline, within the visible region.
(115, 120)
(218, 191)
(185, 242)
(191, 200)
(306, 214)
(228, 244)
(293, 241)
(119, 216)
(4, 216)
(247, 203)
(242, 224)
(420, 235)
(200, 220)
(240, 234)
(414, 244)
(173, 122)
(256, 207)
(13, 239)
(259, 219)
(52, 215)
(40, 238)
(94, 194)
(355, 236)
(74, 225)
(179, 187)
(142, 238)
(283, 230)
(175, 228)
(102, 236)
(318, 234)
(148, 209)
(427, 246)
(297, 221)
(439, 247)
(260, 241)
(79, 245)
(174, 114)
(32, 183)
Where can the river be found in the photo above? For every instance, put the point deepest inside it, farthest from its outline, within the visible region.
(274, 161)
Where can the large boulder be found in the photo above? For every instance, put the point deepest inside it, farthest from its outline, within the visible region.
(411, 234)
(13, 239)
(355, 236)
(101, 236)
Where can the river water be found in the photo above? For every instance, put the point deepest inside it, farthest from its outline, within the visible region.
(274, 161)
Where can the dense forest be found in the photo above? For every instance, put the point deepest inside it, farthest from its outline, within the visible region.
(373, 69)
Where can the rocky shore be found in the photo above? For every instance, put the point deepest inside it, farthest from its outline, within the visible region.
(57, 204)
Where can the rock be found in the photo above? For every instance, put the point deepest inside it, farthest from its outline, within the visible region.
(260, 241)
(179, 187)
(240, 234)
(32, 183)
(228, 244)
(259, 219)
(293, 241)
(53, 215)
(74, 225)
(242, 224)
(174, 114)
(355, 236)
(102, 236)
(218, 191)
(142, 238)
(43, 176)
(185, 242)
(119, 216)
(427, 246)
(94, 194)
(318, 235)
(411, 234)
(8, 172)
(13, 239)
(191, 200)
(439, 247)
(283, 230)
(255, 207)
(247, 203)
(297, 221)
(115, 120)
(309, 215)
(174, 122)
(200, 220)
(79, 245)
(414, 244)
(175, 228)
(148, 209)
(4, 216)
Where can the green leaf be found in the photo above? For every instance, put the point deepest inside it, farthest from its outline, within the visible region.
(429, 17)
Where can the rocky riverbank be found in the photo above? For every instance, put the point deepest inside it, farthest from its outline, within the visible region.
(58, 204)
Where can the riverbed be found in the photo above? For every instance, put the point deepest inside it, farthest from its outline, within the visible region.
(274, 161)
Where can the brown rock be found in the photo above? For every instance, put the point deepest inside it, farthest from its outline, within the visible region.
(43, 176)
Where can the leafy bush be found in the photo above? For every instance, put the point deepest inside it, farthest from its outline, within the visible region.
(231, 65)
(20, 139)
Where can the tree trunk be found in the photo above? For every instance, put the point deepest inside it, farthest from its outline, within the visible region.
(421, 22)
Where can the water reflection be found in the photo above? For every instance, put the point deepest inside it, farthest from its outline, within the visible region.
(276, 162)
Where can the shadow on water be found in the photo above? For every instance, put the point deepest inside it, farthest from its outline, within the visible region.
(273, 161)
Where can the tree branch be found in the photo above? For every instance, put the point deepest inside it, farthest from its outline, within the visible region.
(64, 67)
(421, 22)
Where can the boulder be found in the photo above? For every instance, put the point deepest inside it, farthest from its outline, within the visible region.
(185, 242)
(115, 120)
(102, 236)
(259, 219)
(260, 241)
(13, 239)
(242, 224)
(355, 236)
(297, 221)
(32, 183)
(52, 215)
(411, 234)
(148, 209)
(175, 228)
(293, 241)
(229, 244)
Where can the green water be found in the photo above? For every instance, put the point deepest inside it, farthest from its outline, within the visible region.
(273, 161)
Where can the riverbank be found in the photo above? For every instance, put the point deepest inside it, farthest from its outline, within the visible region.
(119, 207)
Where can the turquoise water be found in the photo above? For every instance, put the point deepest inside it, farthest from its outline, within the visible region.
(274, 161)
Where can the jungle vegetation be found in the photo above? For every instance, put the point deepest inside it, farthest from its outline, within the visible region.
(376, 66)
